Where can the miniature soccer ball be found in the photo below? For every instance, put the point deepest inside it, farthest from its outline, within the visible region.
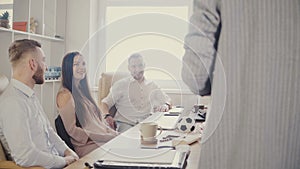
(186, 124)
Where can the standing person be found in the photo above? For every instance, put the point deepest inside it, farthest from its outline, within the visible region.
(25, 131)
(134, 97)
(78, 110)
(250, 52)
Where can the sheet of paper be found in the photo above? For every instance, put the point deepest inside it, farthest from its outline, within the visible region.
(166, 122)
(175, 111)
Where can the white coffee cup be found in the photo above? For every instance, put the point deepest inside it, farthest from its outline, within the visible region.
(148, 131)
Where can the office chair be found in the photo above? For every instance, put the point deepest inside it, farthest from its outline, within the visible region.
(105, 82)
(4, 83)
(61, 131)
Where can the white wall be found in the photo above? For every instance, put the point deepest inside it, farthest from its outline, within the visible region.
(83, 23)
(77, 24)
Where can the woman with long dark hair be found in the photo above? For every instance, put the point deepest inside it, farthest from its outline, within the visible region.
(78, 110)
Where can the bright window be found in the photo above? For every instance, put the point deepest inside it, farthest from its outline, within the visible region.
(156, 31)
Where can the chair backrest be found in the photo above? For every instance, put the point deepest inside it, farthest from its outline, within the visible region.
(3, 84)
(61, 131)
(106, 80)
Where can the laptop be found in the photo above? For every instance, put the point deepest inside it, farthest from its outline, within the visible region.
(130, 158)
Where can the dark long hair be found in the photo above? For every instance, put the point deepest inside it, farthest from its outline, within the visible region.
(78, 93)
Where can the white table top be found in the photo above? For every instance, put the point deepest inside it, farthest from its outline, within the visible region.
(131, 139)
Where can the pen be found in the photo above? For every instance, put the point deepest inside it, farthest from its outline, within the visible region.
(171, 114)
(172, 147)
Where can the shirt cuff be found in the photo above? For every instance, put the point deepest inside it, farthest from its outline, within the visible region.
(60, 162)
(61, 148)
(106, 115)
(169, 105)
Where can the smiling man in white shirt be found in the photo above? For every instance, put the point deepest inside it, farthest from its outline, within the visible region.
(25, 131)
(135, 97)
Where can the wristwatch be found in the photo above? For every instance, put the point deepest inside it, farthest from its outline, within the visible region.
(169, 105)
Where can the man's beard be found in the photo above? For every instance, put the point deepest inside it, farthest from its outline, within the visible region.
(38, 76)
(139, 75)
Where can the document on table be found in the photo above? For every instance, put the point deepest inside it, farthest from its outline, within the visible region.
(166, 122)
(175, 111)
(149, 156)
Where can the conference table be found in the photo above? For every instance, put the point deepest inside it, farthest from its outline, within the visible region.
(131, 139)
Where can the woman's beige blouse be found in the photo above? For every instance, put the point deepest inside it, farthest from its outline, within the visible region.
(94, 131)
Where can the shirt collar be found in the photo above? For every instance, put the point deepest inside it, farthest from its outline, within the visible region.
(22, 87)
(146, 82)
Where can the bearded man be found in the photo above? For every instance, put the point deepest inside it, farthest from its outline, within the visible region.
(25, 132)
